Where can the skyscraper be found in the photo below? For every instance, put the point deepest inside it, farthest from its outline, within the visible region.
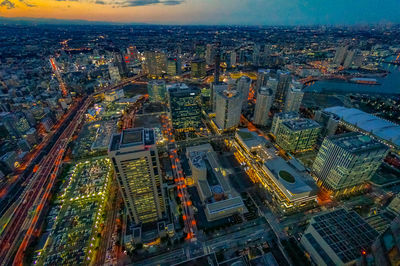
(155, 63)
(198, 68)
(243, 86)
(228, 109)
(215, 89)
(157, 90)
(265, 97)
(210, 54)
(293, 99)
(284, 80)
(340, 55)
(262, 78)
(172, 66)
(185, 107)
(135, 160)
(347, 160)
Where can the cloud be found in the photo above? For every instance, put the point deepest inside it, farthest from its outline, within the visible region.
(7, 4)
(131, 3)
(100, 2)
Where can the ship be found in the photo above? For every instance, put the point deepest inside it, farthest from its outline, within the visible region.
(365, 81)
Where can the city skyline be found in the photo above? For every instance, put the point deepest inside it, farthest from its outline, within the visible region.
(206, 12)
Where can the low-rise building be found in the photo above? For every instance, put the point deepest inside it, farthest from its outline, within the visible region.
(210, 179)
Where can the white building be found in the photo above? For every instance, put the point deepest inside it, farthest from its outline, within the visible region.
(228, 109)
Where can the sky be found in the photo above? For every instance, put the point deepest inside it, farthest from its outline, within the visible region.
(210, 12)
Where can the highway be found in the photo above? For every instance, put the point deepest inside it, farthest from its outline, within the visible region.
(26, 214)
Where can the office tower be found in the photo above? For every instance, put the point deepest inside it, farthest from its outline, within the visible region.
(120, 64)
(262, 78)
(114, 73)
(215, 89)
(281, 117)
(293, 99)
(228, 109)
(172, 66)
(210, 54)
(256, 55)
(340, 55)
(265, 97)
(185, 107)
(347, 160)
(155, 63)
(297, 135)
(134, 156)
(243, 86)
(157, 90)
(328, 121)
(198, 68)
(338, 237)
(284, 81)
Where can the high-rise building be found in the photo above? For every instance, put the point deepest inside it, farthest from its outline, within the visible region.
(265, 97)
(135, 160)
(298, 135)
(114, 73)
(185, 107)
(284, 81)
(340, 55)
(215, 89)
(350, 56)
(228, 109)
(157, 90)
(339, 237)
(155, 63)
(262, 78)
(293, 99)
(210, 54)
(328, 121)
(198, 68)
(243, 86)
(347, 160)
(281, 117)
(172, 66)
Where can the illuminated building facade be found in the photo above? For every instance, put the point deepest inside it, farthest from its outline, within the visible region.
(172, 66)
(155, 63)
(262, 78)
(347, 160)
(339, 237)
(291, 187)
(198, 68)
(282, 117)
(135, 160)
(298, 135)
(228, 109)
(328, 121)
(157, 90)
(284, 80)
(185, 107)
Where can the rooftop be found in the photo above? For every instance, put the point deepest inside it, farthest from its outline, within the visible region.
(287, 176)
(379, 127)
(287, 115)
(355, 142)
(346, 233)
(132, 137)
(301, 124)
